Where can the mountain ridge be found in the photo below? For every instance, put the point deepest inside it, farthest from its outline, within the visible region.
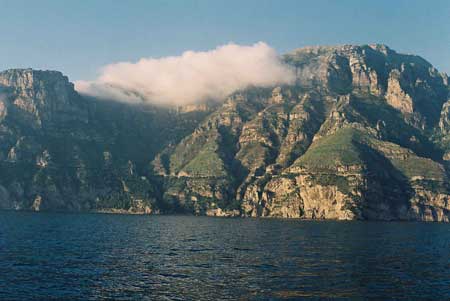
(362, 134)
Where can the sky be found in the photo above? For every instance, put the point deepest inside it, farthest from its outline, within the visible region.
(79, 37)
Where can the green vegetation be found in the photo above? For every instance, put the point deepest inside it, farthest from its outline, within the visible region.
(332, 179)
(414, 166)
(340, 148)
(253, 154)
(207, 163)
(186, 151)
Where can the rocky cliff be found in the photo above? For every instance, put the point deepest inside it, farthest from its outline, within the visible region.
(362, 134)
(62, 151)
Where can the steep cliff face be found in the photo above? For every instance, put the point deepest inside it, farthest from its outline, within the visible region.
(407, 82)
(60, 151)
(41, 98)
(361, 135)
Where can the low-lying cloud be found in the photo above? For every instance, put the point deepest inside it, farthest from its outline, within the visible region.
(191, 77)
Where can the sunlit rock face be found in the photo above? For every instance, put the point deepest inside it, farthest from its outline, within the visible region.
(408, 82)
(42, 97)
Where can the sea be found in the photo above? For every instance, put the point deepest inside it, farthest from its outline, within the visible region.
(89, 256)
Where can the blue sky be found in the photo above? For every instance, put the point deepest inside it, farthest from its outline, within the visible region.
(78, 37)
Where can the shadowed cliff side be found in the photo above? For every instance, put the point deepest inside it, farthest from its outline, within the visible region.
(62, 151)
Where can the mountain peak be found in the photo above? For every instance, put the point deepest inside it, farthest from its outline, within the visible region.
(31, 71)
(342, 48)
(29, 78)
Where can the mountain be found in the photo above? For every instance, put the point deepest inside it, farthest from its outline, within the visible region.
(362, 134)
(62, 151)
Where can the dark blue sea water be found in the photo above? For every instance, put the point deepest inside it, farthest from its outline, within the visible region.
(45, 256)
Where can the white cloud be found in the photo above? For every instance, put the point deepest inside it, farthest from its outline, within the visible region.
(190, 78)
